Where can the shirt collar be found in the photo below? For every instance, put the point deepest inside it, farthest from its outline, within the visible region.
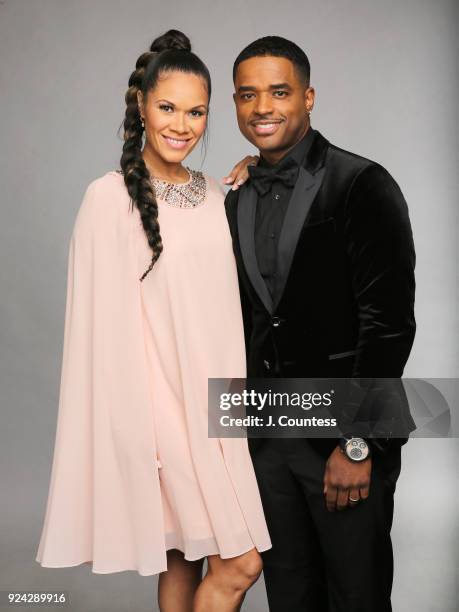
(298, 152)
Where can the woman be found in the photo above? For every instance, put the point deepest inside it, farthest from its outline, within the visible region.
(152, 312)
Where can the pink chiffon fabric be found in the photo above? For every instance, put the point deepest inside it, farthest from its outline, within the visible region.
(134, 472)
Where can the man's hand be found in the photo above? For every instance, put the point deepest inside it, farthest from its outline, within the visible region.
(345, 480)
(239, 174)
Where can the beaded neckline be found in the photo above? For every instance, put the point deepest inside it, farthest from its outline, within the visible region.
(159, 181)
(181, 195)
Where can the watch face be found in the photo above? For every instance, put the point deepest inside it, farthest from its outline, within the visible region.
(357, 449)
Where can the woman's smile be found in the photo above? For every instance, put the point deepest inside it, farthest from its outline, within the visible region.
(176, 143)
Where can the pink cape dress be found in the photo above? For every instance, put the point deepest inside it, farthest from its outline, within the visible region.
(134, 472)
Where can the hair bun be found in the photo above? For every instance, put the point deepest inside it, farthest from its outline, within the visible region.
(172, 39)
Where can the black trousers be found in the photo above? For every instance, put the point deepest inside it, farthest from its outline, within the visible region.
(324, 561)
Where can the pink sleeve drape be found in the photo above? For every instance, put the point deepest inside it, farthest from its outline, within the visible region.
(104, 504)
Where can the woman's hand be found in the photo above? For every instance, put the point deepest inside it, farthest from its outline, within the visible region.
(239, 174)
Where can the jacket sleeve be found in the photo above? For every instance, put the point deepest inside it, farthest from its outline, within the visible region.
(380, 247)
(379, 243)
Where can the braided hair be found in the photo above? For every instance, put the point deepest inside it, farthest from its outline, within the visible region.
(170, 51)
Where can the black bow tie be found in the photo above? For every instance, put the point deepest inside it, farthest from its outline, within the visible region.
(263, 177)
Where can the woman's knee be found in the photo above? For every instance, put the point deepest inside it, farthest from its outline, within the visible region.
(250, 566)
(238, 573)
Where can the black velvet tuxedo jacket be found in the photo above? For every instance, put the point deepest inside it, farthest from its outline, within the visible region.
(344, 299)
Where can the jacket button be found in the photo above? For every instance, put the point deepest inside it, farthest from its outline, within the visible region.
(275, 321)
(266, 364)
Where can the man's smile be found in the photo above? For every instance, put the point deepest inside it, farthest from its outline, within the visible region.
(266, 127)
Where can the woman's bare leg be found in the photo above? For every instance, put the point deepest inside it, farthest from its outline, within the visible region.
(227, 580)
(177, 586)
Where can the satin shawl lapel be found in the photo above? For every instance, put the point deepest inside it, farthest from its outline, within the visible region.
(304, 192)
(246, 210)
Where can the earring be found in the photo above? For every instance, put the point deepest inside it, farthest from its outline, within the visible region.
(309, 111)
(142, 122)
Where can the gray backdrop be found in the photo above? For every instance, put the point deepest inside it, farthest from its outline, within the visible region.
(387, 82)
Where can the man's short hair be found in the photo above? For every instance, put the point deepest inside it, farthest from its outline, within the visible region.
(276, 46)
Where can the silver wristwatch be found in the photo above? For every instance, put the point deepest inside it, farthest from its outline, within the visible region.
(355, 449)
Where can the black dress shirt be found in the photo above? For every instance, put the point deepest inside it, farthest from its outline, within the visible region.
(270, 213)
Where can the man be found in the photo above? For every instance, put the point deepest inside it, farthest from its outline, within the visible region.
(326, 260)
